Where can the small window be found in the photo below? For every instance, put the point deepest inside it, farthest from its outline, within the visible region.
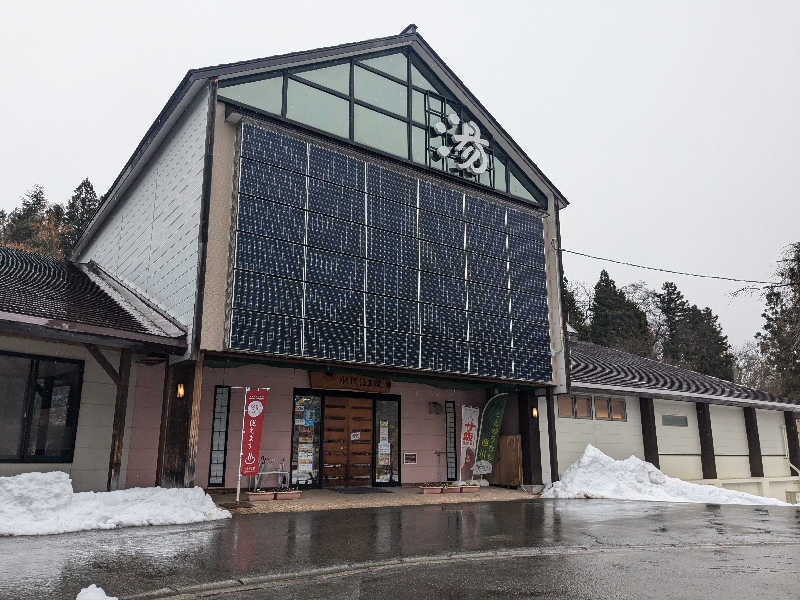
(674, 420)
(317, 108)
(39, 399)
(618, 410)
(583, 407)
(601, 408)
(565, 406)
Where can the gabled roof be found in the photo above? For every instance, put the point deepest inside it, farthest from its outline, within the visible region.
(196, 79)
(597, 368)
(53, 298)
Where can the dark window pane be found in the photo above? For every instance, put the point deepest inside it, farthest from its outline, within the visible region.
(565, 406)
(52, 434)
(318, 109)
(14, 373)
(266, 95)
(674, 421)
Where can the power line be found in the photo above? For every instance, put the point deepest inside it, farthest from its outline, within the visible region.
(629, 264)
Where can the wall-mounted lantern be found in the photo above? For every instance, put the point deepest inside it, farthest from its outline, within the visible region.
(534, 413)
(180, 390)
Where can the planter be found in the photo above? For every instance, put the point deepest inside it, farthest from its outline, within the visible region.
(259, 496)
(470, 489)
(451, 489)
(431, 490)
(292, 495)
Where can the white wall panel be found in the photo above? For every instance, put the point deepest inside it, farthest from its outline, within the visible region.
(150, 240)
(771, 426)
(677, 440)
(618, 439)
(728, 430)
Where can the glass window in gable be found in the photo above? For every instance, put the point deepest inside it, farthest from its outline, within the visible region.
(419, 80)
(418, 106)
(336, 77)
(517, 189)
(380, 131)
(419, 146)
(381, 92)
(266, 95)
(317, 108)
(393, 64)
(499, 174)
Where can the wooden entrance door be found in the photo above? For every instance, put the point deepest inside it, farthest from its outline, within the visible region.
(347, 442)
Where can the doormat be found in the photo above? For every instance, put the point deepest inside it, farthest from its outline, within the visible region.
(363, 490)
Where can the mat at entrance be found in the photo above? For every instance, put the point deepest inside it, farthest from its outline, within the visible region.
(363, 490)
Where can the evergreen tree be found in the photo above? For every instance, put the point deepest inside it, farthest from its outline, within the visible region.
(24, 222)
(618, 322)
(573, 312)
(780, 339)
(80, 210)
(673, 307)
(702, 345)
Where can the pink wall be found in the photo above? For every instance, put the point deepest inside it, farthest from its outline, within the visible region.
(145, 426)
(422, 432)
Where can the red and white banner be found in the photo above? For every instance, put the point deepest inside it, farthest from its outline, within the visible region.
(469, 441)
(255, 401)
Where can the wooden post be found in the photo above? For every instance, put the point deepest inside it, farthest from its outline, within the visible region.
(649, 437)
(551, 434)
(193, 422)
(529, 439)
(707, 457)
(753, 442)
(166, 406)
(176, 424)
(791, 437)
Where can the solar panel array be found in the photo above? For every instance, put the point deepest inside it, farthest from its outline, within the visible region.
(344, 260)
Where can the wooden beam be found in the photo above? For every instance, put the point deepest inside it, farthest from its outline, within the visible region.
(166, 404)
(790, 418)
(193, 417)
(649, 437)
(753, 442)
(529, 438)
(103, 362)
(551, 434)
(120, 410)
(707, 457)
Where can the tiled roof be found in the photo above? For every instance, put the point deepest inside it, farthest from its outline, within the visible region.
(605, 368)
(59, 294)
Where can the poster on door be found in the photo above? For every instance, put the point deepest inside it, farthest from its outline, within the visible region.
(469, 441)
(255, 400)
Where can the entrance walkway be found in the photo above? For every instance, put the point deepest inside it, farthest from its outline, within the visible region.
(332, 500)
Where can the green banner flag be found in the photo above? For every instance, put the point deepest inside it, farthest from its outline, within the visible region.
(489, 434)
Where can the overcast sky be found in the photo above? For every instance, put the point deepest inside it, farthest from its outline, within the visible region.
(673, 128)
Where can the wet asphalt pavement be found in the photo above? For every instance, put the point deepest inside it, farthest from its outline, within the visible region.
(525, 549)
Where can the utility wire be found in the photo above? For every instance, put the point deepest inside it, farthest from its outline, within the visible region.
(629, 264)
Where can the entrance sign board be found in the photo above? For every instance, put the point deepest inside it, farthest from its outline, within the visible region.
(489, 435)
(255, 401)
(469, 441)
(349, 381)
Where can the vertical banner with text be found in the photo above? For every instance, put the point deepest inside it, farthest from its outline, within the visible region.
(469, 441)
(255, 401)
(489, 434)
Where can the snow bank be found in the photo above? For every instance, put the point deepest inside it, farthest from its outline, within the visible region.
(43, 503)
(94, 592)
(596, 475)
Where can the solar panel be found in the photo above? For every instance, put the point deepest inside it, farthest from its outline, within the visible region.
(346, 261)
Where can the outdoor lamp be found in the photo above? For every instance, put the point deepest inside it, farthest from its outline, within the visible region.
(180, 390)
(535, 413)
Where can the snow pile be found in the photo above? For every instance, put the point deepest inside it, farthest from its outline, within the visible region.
(43, 503)
(94, 592)
(596, 475)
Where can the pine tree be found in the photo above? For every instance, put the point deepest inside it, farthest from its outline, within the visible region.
(24, 221)
(673, 307)
(80, 210)
(780, 339)
(618, 322)
(703, 346)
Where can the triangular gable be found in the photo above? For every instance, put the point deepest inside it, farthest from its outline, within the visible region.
(390, 101)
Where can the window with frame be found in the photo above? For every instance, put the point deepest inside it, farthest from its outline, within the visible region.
(610, 409)
(575, 407)
(39, 401)
(592, 407)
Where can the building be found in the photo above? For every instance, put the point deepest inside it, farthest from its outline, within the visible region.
(346, 226)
